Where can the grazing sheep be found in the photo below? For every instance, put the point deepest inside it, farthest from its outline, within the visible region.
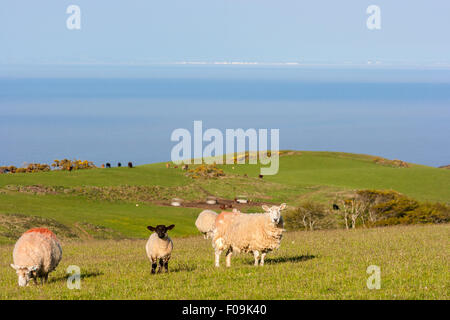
(36, 254)
(205, 222)
(130, 165)
(159, 247)
(255, 233)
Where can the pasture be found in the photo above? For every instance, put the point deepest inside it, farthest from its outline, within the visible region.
(126, 200)
(101, 217)
(414, 262)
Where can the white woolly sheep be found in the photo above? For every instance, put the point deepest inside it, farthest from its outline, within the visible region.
(255, 233)
(205, 222)
(159, 247)
(36, 254)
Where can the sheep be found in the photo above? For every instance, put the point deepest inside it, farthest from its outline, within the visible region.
(254, 233)
(159, 247)
(205, 222)
(36, 254)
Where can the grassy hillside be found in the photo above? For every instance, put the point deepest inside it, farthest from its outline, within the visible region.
(108, 198)
(309, 265)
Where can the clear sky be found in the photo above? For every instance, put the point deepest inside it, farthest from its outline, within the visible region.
(160, 31)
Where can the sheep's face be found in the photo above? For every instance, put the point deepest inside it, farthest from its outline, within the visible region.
(161, 230)
(274, 212)
(25, 274)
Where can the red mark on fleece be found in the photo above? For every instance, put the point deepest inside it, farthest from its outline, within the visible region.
(224, 215)
(42, 231)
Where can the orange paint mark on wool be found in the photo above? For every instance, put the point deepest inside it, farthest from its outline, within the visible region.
(224, 215)
(43, 231)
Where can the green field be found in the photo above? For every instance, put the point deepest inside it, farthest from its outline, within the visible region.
(102, 197)
(101, 217)
(414, 262)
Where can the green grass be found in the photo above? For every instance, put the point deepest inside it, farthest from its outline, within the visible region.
(146, 175)
(414, 262)
(124, 217)
(302, 175)
(351, 171)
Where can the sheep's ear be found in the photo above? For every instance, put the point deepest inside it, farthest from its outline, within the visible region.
(265, 208)
(283, 206)
(171, 227)
(151, 228)
(14, 266)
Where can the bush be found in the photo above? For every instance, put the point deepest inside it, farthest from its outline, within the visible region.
(205, 171)
(30, 168)
(387, 207)
(309, 215)
(70, 165)
(391, 163)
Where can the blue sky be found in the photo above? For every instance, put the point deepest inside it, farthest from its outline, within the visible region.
(150, 31)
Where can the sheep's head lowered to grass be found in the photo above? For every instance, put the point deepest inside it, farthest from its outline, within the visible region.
(25, 274)
(274, 212)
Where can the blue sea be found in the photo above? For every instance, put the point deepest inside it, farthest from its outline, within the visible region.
(127, 113)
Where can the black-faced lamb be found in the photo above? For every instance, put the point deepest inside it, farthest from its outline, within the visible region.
(159, 247)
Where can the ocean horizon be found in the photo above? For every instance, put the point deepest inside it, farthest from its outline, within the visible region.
(113, 116)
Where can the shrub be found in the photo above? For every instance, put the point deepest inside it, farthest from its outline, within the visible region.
(70, 165)
(205, 171)
(309, 215)
(391, 163)
(388, 207)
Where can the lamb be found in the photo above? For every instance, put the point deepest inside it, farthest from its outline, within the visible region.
(254, 233)
(36, 254)
(205, 222)
(159, 247)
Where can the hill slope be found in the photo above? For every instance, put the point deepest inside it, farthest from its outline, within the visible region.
(109, 197)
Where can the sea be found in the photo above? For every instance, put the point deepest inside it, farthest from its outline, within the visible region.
(110, 113)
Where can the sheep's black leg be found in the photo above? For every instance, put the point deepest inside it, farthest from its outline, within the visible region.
(161, 265)
(166, 266)
(154, 264)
